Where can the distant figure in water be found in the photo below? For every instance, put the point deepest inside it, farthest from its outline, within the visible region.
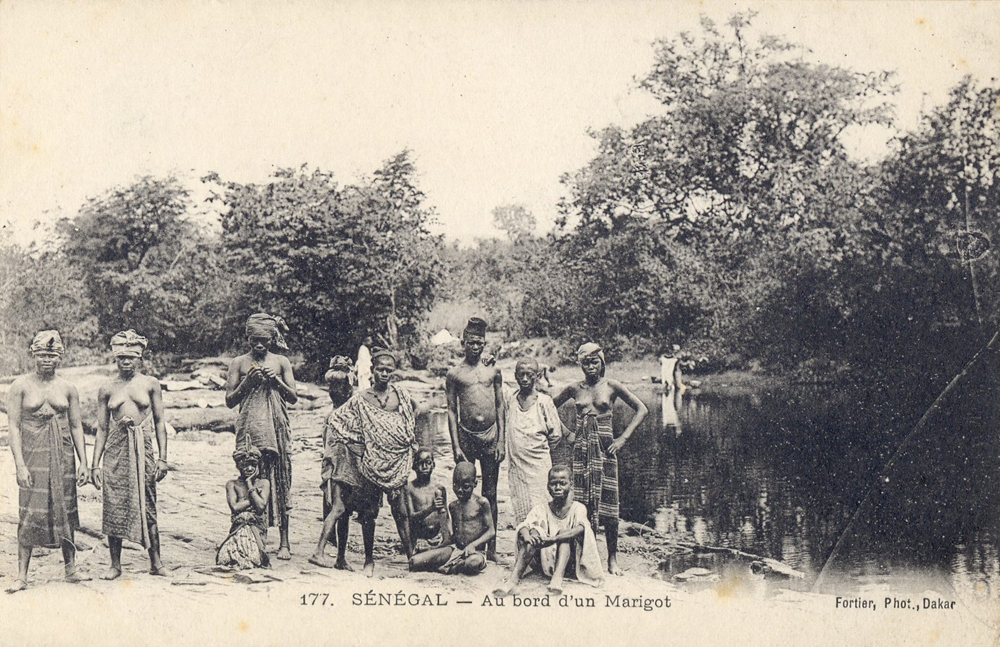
(364, 365)
(247, 496)
(595, 448)
(670, 370)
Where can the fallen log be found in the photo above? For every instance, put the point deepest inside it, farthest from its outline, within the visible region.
(775, 566)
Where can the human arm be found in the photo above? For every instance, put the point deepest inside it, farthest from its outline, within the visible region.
(233, 498)
(14, 422)
(156, 406)
(640, 412)
(441, 502)
(500, 451)
(76, 433)
(103, 419)
(451, 396)
(565, 535)
(283, 380)
(259, 494)
(568, 393)
(486, 518)
(238, 385)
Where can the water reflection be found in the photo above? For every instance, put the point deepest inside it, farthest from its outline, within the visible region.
(779, 474)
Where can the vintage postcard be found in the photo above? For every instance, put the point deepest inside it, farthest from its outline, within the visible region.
(490, 323)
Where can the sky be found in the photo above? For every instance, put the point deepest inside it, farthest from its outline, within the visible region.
(494, 98)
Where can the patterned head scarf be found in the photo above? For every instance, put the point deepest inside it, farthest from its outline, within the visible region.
(243, 454)
(590, 349)
(128, 343)
(266, 325)
(47, 341)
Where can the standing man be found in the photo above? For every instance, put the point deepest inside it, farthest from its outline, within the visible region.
(670, 370)
(475, 402)
(261, 383)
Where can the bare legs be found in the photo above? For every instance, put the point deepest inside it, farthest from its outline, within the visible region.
(526, 555)
(611, 535)
(331, 523)
(491, 476)
(368, 537)
(24, 560)
(284, 550)
(155, 562)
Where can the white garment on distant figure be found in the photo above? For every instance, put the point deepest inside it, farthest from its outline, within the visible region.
(667, 367)
(364, 365)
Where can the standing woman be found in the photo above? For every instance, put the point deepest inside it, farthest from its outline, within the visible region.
(45, 430)
(533, 428)
(595, 449)
(129, 412)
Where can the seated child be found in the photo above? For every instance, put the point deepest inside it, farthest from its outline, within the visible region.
(555, 535)
(427, 520)
(472, 523)
(247, 496)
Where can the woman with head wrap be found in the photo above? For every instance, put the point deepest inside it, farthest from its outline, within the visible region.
(247, 496)
(45, 429)
(262, 384)
(129, 414)
(533, 428)
(595, 448)
(370, 449)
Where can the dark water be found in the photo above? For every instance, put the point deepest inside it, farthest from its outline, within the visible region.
(781, 473)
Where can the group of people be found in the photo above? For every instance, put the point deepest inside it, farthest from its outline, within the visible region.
(369, 452)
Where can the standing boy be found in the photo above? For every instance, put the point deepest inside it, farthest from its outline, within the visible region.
(475, 400)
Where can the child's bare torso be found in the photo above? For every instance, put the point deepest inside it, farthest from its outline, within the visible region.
(469, 520)
(422, 498)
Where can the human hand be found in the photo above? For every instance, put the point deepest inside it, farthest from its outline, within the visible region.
(160, 471)
(439, 501)
(616, 446)
(82, 475)
(24, 476)
(468, 550)
(459, 456)
(534, 537)
(500, 452)
(97, 477)
(269, 373)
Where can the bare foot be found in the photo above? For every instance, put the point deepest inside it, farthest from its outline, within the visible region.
(613, 567)
(556, 587)
(73, 576)
(19, 585)
(504, 591)
(491, 556)
(284, 553)
(112, 574)
(369, 569)
(321, 561)
(159, 570)
(342, 565)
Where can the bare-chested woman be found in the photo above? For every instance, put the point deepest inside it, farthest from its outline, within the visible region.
(595, 449)
(45, 429)
(129, 413)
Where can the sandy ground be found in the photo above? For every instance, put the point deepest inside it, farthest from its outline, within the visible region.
(199, 603)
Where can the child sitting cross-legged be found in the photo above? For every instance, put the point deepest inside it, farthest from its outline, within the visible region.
(555, 538)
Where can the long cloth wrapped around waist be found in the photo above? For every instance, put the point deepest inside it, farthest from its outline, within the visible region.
(595, 472)
(388, 438)
(263, 423)
(129, 488)
(47, 510)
